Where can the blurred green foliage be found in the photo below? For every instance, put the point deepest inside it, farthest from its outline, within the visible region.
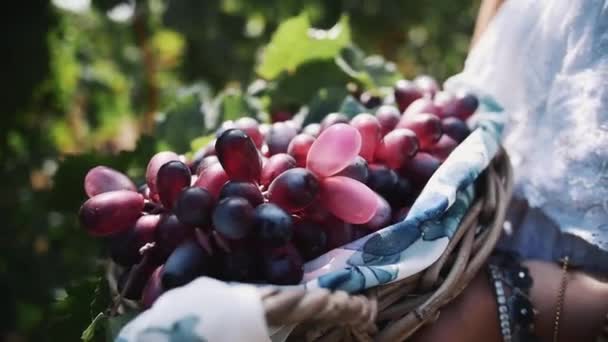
(113, 82)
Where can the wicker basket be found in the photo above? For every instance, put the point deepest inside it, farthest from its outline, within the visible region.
(392, 312)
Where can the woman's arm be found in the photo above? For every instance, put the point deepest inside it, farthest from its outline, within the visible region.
(487, 10)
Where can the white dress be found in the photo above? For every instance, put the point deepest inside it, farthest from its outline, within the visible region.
(546, 63)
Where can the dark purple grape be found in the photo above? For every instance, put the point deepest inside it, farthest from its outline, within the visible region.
(356, 170)
(455, 128)
(102, 179)
(338, 232)
(194, 207)
(421, 168)
(172, 178)
(248, 191)
(157, 161)
(125, 246)
(406, 92)
(401, 194)
(279, 137)
(463, 106)
(312, 129)
(401, 214)
(310, 238)
(170, 233)
(283, 266)
(294, 189)
(111, 212)
(388, 117)
(187, 262)
(382, 179)
(242, 265)
(273, 226)
(332, 119)
(233, 218)
(369, 100)
(239, 156)
(153, 289)
(275, 166)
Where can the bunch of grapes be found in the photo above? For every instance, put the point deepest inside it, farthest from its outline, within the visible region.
(260, 200)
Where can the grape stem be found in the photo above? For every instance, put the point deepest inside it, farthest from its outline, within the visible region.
(133, 273)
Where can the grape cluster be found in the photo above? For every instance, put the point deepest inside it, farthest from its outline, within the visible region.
(260, 200)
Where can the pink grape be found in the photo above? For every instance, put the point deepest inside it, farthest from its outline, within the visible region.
(203, 153)
(298, 148)
(332, 119)
(334, 149)
(279, 137)
(444, 100)
(294, 189)
(212, 178)
(371, 133)
(251, 128)
(406, 92)
(102, 179)
(455, 128)
(171, 179)
(423, 105)
(397, 148)
(153, 289)
(264, 129)
(442, 149)
(421, 168)
(388, 117)
(382, 217)
(111, 212)
(463, 106)
(348, 199)
(158, 160)
(312, 129)
(205, 163)
(426, 126)
(427, 84)
(238, 156)
(275, 166)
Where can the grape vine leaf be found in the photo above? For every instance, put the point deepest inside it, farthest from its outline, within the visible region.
(371, 71)
(295, 42)
(351, 107)
(325, 101)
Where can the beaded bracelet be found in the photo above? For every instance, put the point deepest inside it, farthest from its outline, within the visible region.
(515, 310)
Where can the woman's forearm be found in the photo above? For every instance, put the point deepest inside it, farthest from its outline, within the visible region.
(487, 10)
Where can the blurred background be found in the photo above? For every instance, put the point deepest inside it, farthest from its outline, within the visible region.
(110, 82)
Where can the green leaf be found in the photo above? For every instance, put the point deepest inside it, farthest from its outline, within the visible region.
(93, 331)
(234, 104)
(327, 100)
(201, 142)
(351, 107)
(295, 43)
(372, 71)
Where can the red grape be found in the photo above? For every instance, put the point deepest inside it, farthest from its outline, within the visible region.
(158, 160)
(348, 199)
(212, 178)
(205, 163)
(397, 148)
(125, 246)
(442, 149)
(203, 153)
(426, 126)
(276, 165)
(427, 84)
(194, 207)
(455, 128)
(233, 218)
(188, 261)
(423, 105)
(406, 92)
(338, 232)
(310, 239)
(279, 137)
(298, 148)
(111, 212)
(388, 117)
(238, 156)
(463, 106)
(172, 178)
(356, 170)
(382, 217)
(421, 168)
(283, 266)
(312, 129)
(170, 233)
(251, 128)
(153, 289)
(249, 191)
(332, 119)
(294, 189)
(371, 133)
(444, 100)
(102, 179)
(273, 226)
